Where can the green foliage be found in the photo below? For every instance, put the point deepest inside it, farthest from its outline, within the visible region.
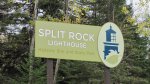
(77, 72)
(12, 54)
(51, 7)
(133, 67)
(144, 27)
(39, 71)
(14, 48)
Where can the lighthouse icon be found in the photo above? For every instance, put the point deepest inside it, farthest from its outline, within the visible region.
(110, 45)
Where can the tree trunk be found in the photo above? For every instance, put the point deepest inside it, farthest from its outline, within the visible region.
(66, 10)
(56, 70)
(31, 57)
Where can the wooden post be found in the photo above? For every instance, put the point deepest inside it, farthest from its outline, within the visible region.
(106, 75)
(110, 18)
(50, 71)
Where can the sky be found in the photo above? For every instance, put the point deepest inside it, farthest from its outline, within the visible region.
(138, 8)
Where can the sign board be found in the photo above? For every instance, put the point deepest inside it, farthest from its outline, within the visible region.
(66, 41)
(110, 44)
(78, 42)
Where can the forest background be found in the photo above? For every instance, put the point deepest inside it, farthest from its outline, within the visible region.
(19, 66)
